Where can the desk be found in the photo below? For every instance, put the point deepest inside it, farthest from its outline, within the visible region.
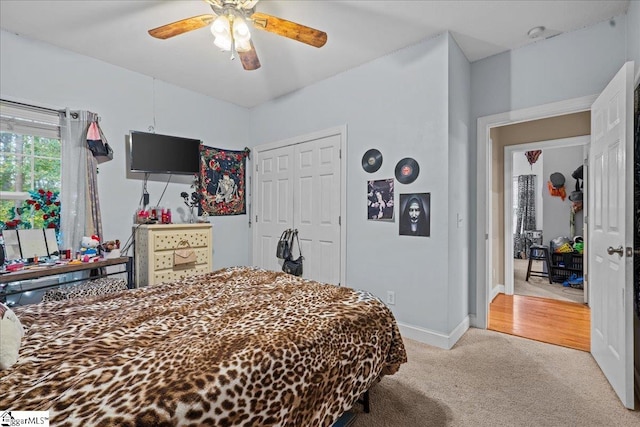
(55, 270)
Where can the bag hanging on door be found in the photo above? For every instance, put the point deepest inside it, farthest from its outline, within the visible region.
(185, 255)
(290, 265)
(97, 144)
(283, 250)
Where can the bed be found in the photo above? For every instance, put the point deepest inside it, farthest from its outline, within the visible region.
(238, 346)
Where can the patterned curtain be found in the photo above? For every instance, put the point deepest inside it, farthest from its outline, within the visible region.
(525, 214)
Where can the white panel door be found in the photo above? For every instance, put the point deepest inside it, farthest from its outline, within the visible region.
(316, 204)
(299, 186)
(610, 230)
(274, 210)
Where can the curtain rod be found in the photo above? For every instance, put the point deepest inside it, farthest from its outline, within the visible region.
(34, 107)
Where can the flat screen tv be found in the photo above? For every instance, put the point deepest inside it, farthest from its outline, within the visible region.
(155, 153)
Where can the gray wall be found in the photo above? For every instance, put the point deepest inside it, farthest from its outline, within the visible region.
(397, 104)
(42, 74)
(458, 215)
(556, 211)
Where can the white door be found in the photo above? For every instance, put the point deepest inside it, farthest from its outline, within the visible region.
(274, 209)
(316, 206)
(610, 231)
(299, 186)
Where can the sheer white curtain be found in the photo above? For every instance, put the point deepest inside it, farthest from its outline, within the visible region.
(79, 194)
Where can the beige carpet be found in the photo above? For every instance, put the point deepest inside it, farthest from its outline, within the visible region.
(539, 286)
(493, 379)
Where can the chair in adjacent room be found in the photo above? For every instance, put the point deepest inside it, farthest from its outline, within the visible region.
(539, 253)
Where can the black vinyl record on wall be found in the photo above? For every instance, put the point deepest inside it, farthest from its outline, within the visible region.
(372, 160)
(407, 170)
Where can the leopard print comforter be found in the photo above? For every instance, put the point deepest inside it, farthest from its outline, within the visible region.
(236, 347)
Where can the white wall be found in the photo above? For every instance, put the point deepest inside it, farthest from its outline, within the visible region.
(42, 74)
(568, 66)
(397, 104)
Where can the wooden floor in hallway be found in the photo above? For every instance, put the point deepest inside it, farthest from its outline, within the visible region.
(555, 322)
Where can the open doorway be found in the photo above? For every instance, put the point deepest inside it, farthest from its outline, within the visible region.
(568, 322)
(547, 219)
(558, 132)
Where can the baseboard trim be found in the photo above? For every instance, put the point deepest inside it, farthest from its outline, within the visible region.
(498, 289)
(473, 322)
(436, 339)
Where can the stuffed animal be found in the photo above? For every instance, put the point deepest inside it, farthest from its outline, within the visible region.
(89, 245)
(11, 333)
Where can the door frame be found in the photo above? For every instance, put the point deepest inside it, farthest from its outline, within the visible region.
(484, 230)
(583, 141)
(340, 131)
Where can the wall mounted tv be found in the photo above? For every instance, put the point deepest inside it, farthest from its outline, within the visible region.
(155, 153)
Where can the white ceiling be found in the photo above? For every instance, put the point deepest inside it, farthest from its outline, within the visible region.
(115, 31)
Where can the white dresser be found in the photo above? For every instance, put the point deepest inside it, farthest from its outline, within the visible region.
(156, 243)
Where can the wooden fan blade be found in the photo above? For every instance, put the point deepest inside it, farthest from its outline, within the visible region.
(182, 26)
(249, 59)
(289, 29)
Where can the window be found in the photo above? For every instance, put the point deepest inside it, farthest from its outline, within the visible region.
(30, 160)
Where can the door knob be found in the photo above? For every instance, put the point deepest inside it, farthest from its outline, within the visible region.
(618, 251)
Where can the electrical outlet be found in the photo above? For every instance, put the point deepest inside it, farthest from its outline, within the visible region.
(391, 297)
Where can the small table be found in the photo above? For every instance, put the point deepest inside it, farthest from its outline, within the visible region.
(37, 272)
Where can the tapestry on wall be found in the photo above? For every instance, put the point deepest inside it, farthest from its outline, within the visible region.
(222, 181)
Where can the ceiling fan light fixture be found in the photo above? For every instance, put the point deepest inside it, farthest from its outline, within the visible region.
(221, 27)
(243, 45)
(241, 31)
(223, 42)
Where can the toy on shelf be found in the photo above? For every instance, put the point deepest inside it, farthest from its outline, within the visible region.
(111, 249)
(89, 248)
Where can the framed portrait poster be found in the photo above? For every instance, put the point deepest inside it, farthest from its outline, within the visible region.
(415, 214)
(380, 200)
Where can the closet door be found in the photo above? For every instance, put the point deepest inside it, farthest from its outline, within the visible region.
(316, 207)
(298, 186)
(274, 208)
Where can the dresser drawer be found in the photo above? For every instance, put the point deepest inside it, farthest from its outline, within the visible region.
(165, 276)
(170, 239)
(164, 260)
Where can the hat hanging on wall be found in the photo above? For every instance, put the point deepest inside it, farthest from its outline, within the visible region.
(557, 180)
(576, 196)
(407, 170)
(577, 174)
(372, 160)
(556, 185)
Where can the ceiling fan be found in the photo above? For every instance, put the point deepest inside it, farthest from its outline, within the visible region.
(229, 26)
